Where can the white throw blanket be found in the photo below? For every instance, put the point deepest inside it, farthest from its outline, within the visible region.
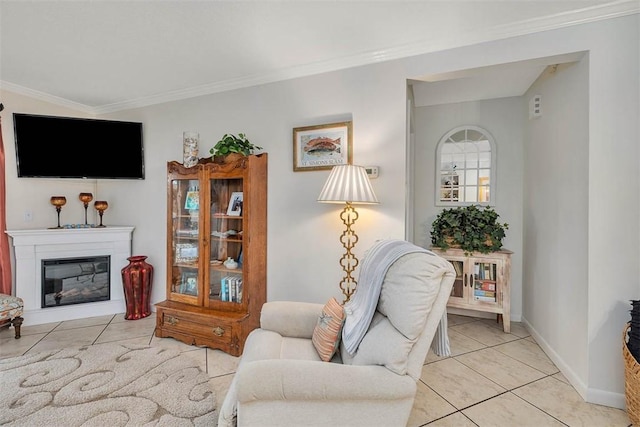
(362, 305)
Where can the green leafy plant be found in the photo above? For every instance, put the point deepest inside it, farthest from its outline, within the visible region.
(234, 144)
(472, 228)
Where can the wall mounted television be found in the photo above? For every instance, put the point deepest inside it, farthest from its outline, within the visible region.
(68, 147)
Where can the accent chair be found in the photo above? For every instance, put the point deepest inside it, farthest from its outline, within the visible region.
(282, 380)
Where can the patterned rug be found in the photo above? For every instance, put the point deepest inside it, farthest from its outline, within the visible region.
(105, 385)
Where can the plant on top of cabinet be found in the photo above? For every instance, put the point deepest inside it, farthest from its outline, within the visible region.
(234, 144)
(471, 228)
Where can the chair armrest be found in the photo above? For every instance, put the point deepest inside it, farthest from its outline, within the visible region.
(289, 318)
(280, 380)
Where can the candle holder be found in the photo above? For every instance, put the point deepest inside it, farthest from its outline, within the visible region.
(85, 198)
(58, 202)
(101, 206)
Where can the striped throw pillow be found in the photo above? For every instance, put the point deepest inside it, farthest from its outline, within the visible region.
(328, 330)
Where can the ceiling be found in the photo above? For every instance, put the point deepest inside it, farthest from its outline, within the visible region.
(103, 56)
(497, 81)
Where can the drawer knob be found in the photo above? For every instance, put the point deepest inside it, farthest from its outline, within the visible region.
(218, 331)
(172, 320)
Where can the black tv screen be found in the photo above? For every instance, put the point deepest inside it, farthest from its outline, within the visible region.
(66, 147)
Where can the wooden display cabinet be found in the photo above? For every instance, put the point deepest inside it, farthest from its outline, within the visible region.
(482, 282)
(216, 212)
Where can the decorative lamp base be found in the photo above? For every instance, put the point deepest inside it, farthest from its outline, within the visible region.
(348, 261)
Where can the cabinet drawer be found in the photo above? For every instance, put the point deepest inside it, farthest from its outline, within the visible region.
(197, 325)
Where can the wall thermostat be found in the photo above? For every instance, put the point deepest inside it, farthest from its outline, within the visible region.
(372, 171)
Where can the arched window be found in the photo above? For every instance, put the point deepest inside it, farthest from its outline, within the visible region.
(465, 169)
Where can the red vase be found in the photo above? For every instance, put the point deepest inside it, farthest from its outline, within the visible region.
(136, 279)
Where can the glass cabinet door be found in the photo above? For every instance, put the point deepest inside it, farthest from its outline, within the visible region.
(457, 291)
(185, 229)
(485, 281)
(225, 249)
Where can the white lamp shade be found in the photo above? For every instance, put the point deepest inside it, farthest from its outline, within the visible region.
(347, 183)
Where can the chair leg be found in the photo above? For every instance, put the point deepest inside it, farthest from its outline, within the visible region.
(17, 322)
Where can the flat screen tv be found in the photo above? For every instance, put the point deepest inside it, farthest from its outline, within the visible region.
(67, 147)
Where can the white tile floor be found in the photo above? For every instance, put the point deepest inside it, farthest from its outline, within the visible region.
(492, 378)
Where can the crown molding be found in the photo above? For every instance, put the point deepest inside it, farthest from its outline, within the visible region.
(45, 97)
(552, 22)
(514, 29)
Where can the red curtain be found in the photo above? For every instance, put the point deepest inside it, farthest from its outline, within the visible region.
(5, 260)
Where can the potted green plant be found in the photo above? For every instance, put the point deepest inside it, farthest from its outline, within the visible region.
(229, 144)
(472, 228)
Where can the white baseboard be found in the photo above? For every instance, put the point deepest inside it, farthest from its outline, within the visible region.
(590, 395)
(606, 398)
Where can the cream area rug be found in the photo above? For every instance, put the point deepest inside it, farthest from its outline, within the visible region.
(105, 385)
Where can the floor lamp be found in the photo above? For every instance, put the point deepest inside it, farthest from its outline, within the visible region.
(348, 184)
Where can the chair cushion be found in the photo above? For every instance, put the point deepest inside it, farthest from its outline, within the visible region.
(383, 345)
(362, 305)
(10, 306)
(328, 330)
(408, 292)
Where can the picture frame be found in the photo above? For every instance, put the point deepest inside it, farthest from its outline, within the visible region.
(186, 253)
(235, 204)
(322, 147)
(189, 283)
(192, 201)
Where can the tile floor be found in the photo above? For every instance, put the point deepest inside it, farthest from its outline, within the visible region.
(492, 378)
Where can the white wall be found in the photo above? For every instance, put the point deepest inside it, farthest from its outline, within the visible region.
(303, 235)
(614, 197)
(556, 217)
(503, 119)
(303, 247)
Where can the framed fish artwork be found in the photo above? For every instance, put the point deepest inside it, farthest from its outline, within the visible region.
(322, 147)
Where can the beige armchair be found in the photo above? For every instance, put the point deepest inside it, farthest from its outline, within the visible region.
(281, 380)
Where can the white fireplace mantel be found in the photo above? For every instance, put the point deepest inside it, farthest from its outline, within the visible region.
(33, 246)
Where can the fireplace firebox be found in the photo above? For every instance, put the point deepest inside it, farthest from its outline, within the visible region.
(67, 281)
